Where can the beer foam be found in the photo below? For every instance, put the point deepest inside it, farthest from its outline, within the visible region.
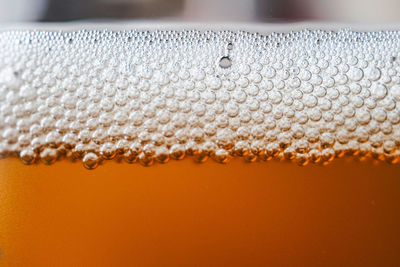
(308, 96)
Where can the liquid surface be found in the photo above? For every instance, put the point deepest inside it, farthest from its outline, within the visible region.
(186, 214)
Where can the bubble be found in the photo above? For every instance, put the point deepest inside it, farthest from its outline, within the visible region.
(130, 156)
(374, 73)
(269, 72)
(315, 155)
(386, 128)
(310, 101)
(10, 78)
(315, 114)
(395, 92)
(302, 159)
(221, 156)
(177, 151)
(394, 117)
(162, 155)
(379, 114)
(108, 151)
(145, 160)
(327, 140)
(90, 161)
(327, 154)
(27, 156)
(356, 74)
(225, 62)
(48, 156)
(378, 91)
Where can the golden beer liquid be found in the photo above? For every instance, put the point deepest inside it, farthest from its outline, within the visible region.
(186, 214)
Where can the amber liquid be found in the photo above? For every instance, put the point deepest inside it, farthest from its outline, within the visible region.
(187, 214)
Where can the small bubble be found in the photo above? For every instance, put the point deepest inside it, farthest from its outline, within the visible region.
(374, 73)
(200, 156)
(242, 148)
(90, 161)
(302, 159)
(146, 160)
(250, 157)
(289, 153)
(379, 91)
(327, 155)
(315, 155)
(27, 156)
(162, 155)
(225, 62)
(177, 152)
(108, 151)
(396, 92)
(392, 159)
(356, 74)
(221, 156)
(48, 156)
(389, 147)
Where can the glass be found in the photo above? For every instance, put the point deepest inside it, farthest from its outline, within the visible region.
(257, 209)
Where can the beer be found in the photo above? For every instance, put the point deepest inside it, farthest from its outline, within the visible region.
(191, 143)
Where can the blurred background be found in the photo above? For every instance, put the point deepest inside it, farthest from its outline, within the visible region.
(365, 11)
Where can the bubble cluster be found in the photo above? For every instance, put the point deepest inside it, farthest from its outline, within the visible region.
(148, 97)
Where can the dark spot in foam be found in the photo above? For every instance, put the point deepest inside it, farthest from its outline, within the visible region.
(225, 62)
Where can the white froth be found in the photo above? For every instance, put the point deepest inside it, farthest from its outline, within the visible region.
(307, 96)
